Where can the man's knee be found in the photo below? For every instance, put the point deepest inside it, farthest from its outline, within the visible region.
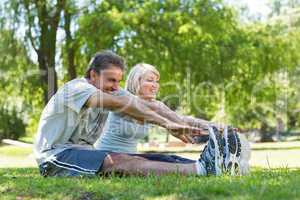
(112, 160)
(115, 161)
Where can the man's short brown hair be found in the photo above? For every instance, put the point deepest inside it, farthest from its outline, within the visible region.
(103, 60)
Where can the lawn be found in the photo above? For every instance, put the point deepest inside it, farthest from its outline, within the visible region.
(261, 184)
(18, 180)
(15, 151)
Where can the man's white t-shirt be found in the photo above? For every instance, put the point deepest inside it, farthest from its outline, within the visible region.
(66, 122)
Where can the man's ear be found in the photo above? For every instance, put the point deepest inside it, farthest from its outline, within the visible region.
(93, 75)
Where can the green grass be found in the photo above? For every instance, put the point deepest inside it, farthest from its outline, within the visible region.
(9, 150)
(27, 139)
(261, 184)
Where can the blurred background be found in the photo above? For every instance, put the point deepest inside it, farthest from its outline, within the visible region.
(230, 61)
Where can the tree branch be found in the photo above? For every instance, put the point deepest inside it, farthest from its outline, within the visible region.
(28, 32)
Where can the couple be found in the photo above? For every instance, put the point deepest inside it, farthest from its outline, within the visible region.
(78, 135)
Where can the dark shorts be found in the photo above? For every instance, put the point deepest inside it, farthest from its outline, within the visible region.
(74, 162)
(88, 162)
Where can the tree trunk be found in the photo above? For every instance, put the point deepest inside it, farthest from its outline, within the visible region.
(46, 50)
(48, 77)
(279, 128)
(70, 45)
(266, 133)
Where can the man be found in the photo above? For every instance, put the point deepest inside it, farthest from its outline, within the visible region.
(74, 117)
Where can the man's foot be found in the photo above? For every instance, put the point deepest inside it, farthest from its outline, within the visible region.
(212, 155)
(232, 151)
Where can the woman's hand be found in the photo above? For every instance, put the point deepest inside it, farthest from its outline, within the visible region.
(183, 132)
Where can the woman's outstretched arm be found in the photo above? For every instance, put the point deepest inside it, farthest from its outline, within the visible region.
(171, 115)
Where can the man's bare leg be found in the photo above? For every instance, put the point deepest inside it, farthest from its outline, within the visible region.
(210, 162)
(134, 165)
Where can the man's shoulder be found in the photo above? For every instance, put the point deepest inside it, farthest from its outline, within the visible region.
(77, 84)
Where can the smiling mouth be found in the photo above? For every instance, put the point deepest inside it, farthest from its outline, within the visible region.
(110, 91)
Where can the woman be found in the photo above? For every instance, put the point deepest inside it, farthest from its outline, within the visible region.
(122, 133)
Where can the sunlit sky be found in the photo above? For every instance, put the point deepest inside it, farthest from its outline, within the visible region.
(256, 7)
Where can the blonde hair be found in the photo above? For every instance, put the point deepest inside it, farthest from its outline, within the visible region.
(135, 75)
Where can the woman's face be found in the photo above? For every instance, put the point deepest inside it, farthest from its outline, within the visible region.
(149, 86)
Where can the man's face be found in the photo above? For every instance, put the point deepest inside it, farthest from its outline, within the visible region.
(108, 80)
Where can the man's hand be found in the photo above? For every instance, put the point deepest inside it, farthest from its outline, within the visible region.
(183, 132)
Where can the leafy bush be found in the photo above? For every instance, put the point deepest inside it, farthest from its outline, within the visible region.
(12, 125)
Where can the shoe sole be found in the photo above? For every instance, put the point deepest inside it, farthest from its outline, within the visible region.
(218, 153)
(232, 151)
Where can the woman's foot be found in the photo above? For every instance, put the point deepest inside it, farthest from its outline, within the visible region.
(232, 151)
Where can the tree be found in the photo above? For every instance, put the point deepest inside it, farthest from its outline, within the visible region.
(99, 28)
(70, 43)
(18, 85)
(42, 22)
(189, 41)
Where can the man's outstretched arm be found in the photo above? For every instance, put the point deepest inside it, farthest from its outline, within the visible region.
(126, 104)
(138, 109)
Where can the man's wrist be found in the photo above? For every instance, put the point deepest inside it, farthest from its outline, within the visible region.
(165, 123)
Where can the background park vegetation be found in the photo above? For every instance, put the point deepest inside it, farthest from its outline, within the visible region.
(216, 62)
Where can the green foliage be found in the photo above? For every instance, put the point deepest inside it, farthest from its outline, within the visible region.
(12, 125)
(184, 41)
(212, 66)
(20, 94)
(15, 151)
(99, 29)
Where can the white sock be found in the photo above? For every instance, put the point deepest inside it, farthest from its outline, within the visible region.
(200, 168)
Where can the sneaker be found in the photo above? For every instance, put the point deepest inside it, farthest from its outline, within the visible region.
(232, 151)
(212, 155)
